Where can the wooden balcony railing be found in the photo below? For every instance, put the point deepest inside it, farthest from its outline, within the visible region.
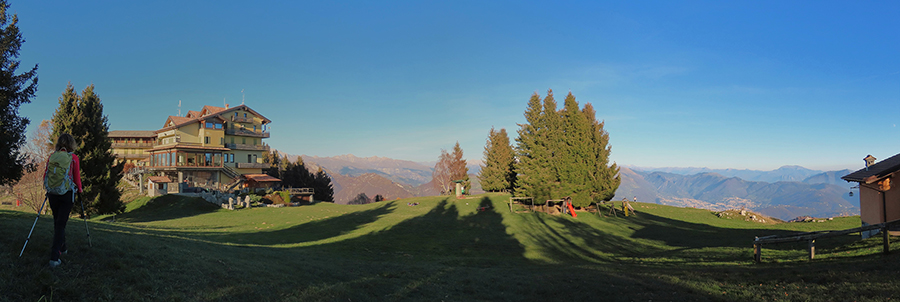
(245, 132)
(247, 147)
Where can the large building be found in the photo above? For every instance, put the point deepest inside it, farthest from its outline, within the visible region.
(210, 148)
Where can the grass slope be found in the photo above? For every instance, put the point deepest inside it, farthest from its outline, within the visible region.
(181, 249)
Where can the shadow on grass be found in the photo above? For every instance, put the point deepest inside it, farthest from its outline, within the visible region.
(307, 232)
(168, 207)
(442, 233)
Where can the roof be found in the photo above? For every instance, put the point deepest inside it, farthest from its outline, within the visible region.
(260, 178)
(159, 179)
(211, 109)
(132, 133)
(194, 116)
(875, 172)
(177, 120)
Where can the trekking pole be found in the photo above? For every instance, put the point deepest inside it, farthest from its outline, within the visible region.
(32, 226)
(84, 215)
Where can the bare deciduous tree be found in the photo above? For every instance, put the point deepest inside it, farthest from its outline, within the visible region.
(30, 189)
(442, 172)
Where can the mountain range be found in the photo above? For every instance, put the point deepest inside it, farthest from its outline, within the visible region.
(820, 194)
(784, 173)
(783, 193)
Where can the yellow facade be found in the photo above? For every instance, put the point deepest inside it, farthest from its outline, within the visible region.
(214, 145)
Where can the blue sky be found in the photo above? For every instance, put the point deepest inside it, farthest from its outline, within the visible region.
(719, 84)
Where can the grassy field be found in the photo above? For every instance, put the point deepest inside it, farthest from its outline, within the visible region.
(182, 249)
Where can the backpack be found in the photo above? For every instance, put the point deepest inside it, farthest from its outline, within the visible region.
(57, 180)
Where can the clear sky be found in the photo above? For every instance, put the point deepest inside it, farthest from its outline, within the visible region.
(719, 84)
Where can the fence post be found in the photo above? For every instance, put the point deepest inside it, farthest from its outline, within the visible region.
(886, 238)
(757, 251)
(812, 249)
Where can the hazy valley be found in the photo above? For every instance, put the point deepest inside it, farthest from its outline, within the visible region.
(783, 193)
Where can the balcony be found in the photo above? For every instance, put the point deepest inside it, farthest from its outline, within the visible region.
(247, 147)
(251, 165)
(132, 156)
(132, 145)
(238, 119)
(245, 132)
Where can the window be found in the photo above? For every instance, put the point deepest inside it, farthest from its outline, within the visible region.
(209, 125)
(207, 140)
(218, 126)
(254, 141)
(254, 128)
(244, 140)
(222, 140)
(232, 140)
(249, 158)
(245, 115)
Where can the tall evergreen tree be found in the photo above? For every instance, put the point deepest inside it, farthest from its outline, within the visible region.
(458, 169)
(498, 173)
(564, 153)
(82, 117)
(274, 162)
(575, 154)
(324, 190)
(532, 167)
(606, 178)
(15, 90)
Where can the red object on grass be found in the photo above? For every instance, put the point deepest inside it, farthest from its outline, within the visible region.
(571, 209)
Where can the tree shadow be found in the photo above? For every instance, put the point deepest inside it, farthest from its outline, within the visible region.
(442, 233)
(306, 232)
(168, 207)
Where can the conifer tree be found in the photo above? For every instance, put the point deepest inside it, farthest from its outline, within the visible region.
(498, 173)
(564, 153)
(575, 157)
(606, 180)
(532, 167)
(15, 90)
(458, 169)
(324, 190)
(82, 117)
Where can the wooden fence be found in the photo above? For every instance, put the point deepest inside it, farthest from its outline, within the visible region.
(811, 237)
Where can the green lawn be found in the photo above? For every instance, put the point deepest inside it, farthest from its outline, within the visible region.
(181, 249)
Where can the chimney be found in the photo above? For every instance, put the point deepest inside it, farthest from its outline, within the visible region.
(870, 160)
(226, 107)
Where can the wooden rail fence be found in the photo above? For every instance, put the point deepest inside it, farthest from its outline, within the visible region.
(811, 237)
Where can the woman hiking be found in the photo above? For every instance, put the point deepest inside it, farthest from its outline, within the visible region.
(62, 179)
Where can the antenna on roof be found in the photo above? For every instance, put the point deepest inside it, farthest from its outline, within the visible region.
(242, 96)
(179, 107)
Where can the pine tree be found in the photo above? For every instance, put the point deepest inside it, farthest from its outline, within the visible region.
(15, 90)
(324, 191)
(576, 154)
(458, 169)
(532, 153)
(606, 177)
(82, 117)
(564, 153)
(498, 173)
